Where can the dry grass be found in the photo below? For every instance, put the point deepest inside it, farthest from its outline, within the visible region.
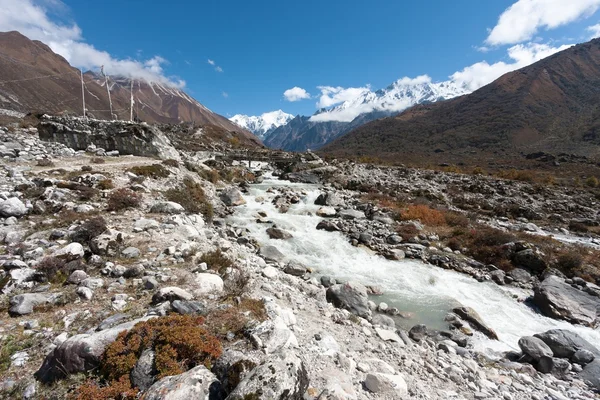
(191, 196)
(425, 214)
(154, 171)
(123, 198)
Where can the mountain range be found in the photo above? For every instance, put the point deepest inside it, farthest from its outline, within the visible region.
(34, 78)
(264, 124)
(551, 106)
(327, 124)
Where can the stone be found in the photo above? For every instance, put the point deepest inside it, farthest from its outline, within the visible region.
(232, 197)
(388, 335)
(384, 321)
(583, 357)
(330, 199)
(84, 293)
(171, 293)
(149, 282)
(167, 207)
(418, 332)
(295, 268)
(270, 272)
(281, 376)
(327, 281)
(555, 366)
(393, 239)
(279, 234)
(206, 283)
(520, 275)
(328, 226)
(352, 214)
(107, 243)
(530, 260)
(564, 343)
(271, 253)
(326, 212)
(534, 347)
(131, 252)
(197, 383)
(77, 277)
(142, 375)
(498, 276)
(351, 296)
(186, 307)
(135, 271)
(92, 283)
(231, 368)
(72, 251)
(24, 304)
(559, 300)
(591, 374)
(12, 207)
(386, 385)
(145, 224)
(471, 316)
(80, 353)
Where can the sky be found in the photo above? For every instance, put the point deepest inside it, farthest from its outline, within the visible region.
(242, 57)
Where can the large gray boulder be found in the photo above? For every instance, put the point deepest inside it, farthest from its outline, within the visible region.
(331, 199)
(557, 299)
(23, 304)
(80, 353)
(197, 383)
(535, 347)
(564, 344)
(530, 260)
(232, 197)
(471, 316)
(591, 374)
(350, 296)
(282, 376)
(167, 207)
(271, 253)
(12, 207)
(277, 233)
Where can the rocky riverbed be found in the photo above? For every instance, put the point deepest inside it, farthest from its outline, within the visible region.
(310, 290)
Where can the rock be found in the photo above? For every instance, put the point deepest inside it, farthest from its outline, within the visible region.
(365, 238)
(559, 300)
(328, 226)
(564, 343)
(72, 251)
(352, 214)
(351, 296)
(327, 281)
(534, 347)
(185, 307)
(197, 383)
(271, 253)
(207, 284)
(326, 212)
(418, 332)
(107, 243)
(388, 336)
(393, 239)
(142, 375)
(281, 376)
(329, 199)
(498, 276)
(149, 282)
(583, 357)
(231, 368)
(280, 234)
(144, 224)
(387, 385)
(167, 207)
(171, 293)
(384, 321)
(12, 207)
(84, 293)
(530, 260)
(92, 283)
(295, 268)
(555, 366)
(471, 316)
(591, 374)
(135, 271)
(24, 304)
(520, 275)
(131, 252)
(232, 197)
(77, 277)
(79, 353)
(270, 272)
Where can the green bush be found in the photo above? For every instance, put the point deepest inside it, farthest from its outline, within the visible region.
(154, 171)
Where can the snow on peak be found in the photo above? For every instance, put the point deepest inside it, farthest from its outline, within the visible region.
(263, 124)
(400, 95)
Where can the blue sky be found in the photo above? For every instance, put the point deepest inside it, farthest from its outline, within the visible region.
(261, 50)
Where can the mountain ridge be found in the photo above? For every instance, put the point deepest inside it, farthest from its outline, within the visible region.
(262, 125)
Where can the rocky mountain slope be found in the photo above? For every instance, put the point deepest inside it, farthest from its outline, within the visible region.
(263, 124)
(550, 106)
(330, 123)
(34, 78)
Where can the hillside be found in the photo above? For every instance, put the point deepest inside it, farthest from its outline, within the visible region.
(550, 106)
(33, 77)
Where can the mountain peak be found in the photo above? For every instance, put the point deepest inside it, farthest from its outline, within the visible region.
(263, 124)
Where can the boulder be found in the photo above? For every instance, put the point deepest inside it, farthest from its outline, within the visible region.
(564, 343)
(471, 316)
(80, 353)
(530, 260)
(387, 385)
(107, 243)
(557, 299)
(520, 275)
(583, 357)
(271, 253)
(281, 376)
(12, 207)
(331, 199)
(70, 252)
(167, 207)
(352, 214)
(171, 293)
(534, 347)
(591, 374)
(418, 332)
(277, 233)
(23, 304)
(131, 252)
(326, 212)
(351, 296)
(208, 284)
(186, 307)
(231, 368)
(555, 366)
(77, 277)
(144, 224)
(295, 268)
(197, 383)
(328, 226)
(232, 197)
(142, 375)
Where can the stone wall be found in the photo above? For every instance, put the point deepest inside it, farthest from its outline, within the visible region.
(139, 139)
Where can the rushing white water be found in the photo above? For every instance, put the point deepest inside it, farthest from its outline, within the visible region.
(409, 285)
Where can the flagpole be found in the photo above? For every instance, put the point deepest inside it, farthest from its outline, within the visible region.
(131, 107)
(107, 91)
(82, 92)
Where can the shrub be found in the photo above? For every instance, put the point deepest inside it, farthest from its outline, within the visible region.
(191, 196)
(53, 268)
(97, 160)
(105, 184)
(154, 171)
(478, 171)
(592, 182)
(171, 163)
(236, 318)
(45, 162)
(87, 168)
(576, 226)
(216, 261)
(123, 198)
(569, 261)
(210, 175)
(85, 193)
(456, 219)
(90, 229)
(407, 231)
(423, 213)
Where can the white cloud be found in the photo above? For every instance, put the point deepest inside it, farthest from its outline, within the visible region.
(334, 95)
(521, 21)
(594, 31)
(296, 94)
(31, 18)
(218, 69)
(479, 74)
(211, 62)
(225, 94)
(214, 64)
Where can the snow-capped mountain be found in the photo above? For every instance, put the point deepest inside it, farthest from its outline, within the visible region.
(263, 124)
(327, 124)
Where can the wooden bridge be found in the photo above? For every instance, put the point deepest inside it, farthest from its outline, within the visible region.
(262, 156)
